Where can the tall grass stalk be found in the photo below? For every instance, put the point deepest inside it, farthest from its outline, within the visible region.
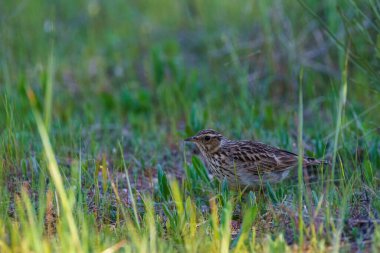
(150, 223)
(346, 194)
(32, 223)
(54, 172)
(118, 199)
(300, 160)
(226, 228)
(342, 102)
(178, 200)
(49, 92)
(135, 215)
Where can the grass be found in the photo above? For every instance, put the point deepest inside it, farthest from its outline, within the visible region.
(96, 98)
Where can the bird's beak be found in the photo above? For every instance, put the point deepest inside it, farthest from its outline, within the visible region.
(191, 139)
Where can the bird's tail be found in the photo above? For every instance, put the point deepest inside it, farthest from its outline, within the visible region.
(309, 161)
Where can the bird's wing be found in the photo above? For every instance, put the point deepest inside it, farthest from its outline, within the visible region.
(259, 158)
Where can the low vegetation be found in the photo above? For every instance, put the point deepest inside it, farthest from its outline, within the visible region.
(97, 97)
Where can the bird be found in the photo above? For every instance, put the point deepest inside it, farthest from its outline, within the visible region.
(246, 162)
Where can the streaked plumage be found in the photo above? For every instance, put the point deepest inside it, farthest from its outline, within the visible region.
(245, 162)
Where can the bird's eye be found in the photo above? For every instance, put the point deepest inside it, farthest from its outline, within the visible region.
(207, 138)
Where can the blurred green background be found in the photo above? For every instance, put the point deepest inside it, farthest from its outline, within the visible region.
(166, 65)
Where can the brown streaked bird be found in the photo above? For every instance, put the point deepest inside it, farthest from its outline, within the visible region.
(244, 162)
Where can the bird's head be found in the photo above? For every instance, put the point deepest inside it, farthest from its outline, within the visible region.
(207, 140)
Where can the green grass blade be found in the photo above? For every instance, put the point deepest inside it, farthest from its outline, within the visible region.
(300, 161)
(133, 201)
(54, 172)
(49, 92)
